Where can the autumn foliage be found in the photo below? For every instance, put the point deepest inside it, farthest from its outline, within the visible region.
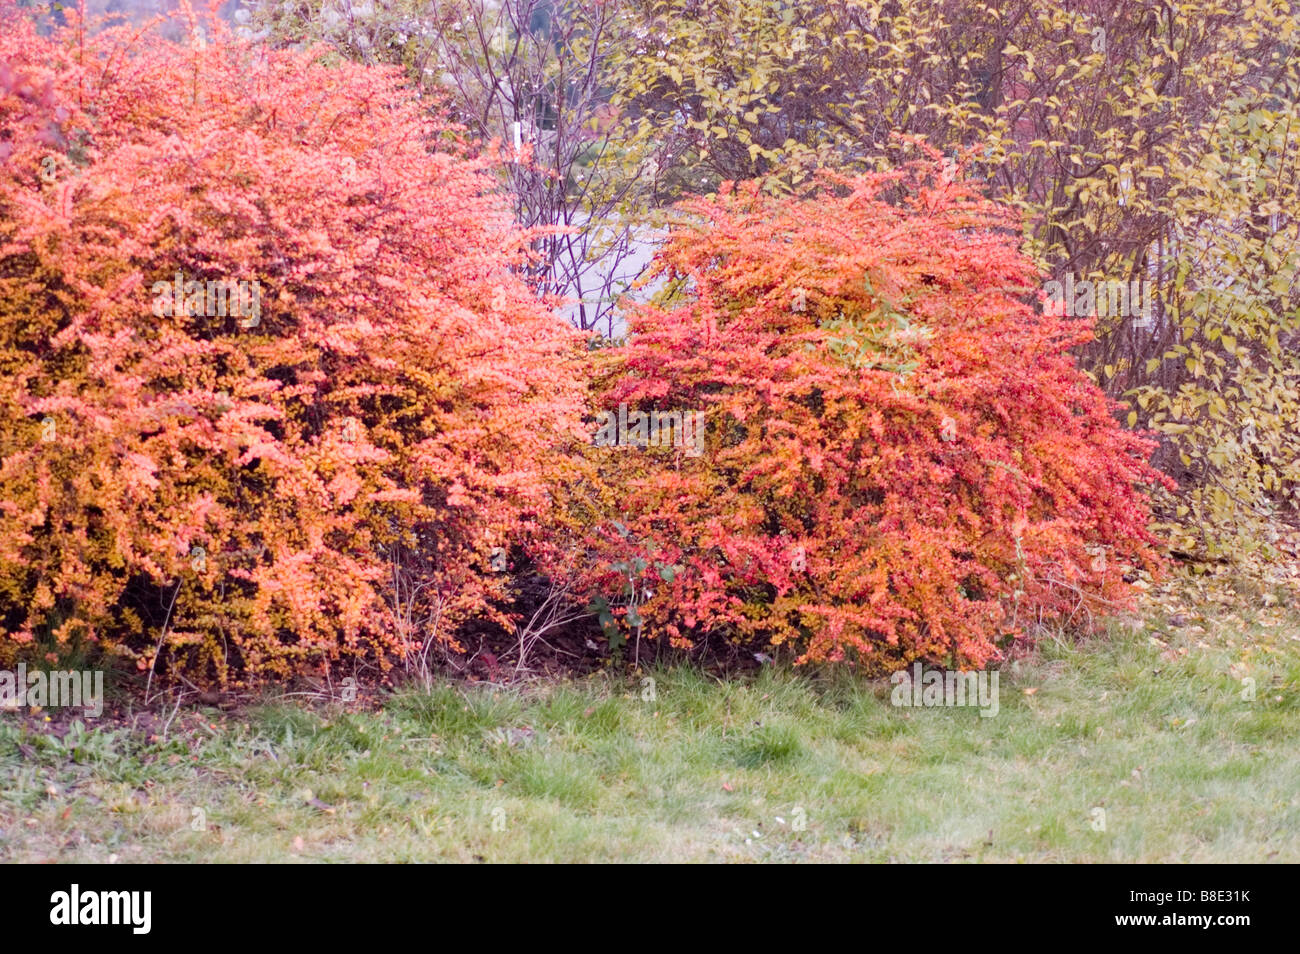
(901, 461)
(241, 492)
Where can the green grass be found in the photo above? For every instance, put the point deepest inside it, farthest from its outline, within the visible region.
(785, 766)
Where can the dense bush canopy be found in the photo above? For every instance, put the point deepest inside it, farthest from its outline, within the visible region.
(274, 396)
(902, 459)
(313, 471)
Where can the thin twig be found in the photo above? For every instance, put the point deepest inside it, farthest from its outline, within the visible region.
(161, 637)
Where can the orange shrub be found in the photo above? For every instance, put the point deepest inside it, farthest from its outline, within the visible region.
(900, 458)
(269, 391)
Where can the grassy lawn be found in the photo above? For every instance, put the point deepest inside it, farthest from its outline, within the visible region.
(1149, 726)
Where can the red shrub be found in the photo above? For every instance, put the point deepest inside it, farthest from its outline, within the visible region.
(901, 460)
(315, 476)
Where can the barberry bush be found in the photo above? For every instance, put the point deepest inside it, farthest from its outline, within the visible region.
(901, 459)
(271, 391)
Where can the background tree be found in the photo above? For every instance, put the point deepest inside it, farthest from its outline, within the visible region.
(535, 76)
